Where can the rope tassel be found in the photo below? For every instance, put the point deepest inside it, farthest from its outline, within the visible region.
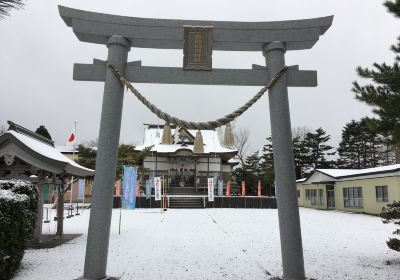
(167, 135)
(228, 136)
(198, 143)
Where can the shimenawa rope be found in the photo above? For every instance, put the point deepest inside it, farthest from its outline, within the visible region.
(196, 125)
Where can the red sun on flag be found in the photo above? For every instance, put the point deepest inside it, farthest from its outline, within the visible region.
(71, 137)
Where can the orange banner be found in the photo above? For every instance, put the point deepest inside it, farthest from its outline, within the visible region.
(243, 188)
(228, 188)
(118, 188)
(259, 188)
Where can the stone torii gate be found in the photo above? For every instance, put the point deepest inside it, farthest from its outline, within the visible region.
(120, 33)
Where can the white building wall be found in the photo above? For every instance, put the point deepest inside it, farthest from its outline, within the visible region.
(203, 164)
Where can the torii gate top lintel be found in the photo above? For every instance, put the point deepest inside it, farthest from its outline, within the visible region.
(167, 33)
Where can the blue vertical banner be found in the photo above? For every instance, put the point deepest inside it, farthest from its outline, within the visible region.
(129, 181)
(81, 189)
(148, 186)
(220, 188)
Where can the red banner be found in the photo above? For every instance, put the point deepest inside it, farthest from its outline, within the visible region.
(243, 188)
(259, 188)
(228, 188)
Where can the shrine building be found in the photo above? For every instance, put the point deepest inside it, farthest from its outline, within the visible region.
(184, 166)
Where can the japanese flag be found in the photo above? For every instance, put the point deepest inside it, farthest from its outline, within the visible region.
(71, 138)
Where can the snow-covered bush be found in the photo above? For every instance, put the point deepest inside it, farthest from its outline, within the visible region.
(18, 207)
(391, 214)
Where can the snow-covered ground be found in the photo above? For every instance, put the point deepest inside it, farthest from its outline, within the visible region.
(222, 244)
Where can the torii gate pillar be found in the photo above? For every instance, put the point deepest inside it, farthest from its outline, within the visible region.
(285, 176)
(106, 163)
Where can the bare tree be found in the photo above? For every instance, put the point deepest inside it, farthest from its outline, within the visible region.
(241, 138)
(92, 143)
(2, 129)
(7, 5)
(300, 132)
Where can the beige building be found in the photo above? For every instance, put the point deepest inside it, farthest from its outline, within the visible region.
(354, 190)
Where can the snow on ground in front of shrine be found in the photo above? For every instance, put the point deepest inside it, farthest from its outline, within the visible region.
(221, 244)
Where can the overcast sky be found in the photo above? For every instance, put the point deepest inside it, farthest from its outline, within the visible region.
(37, 53)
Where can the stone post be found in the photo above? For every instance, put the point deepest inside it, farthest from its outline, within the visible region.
(106, 163)
(37, 233)
(60, 205)
(286, 193)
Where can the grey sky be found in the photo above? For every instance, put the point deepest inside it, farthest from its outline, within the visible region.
(37, 52)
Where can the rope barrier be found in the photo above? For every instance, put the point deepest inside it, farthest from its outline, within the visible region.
(196, 125)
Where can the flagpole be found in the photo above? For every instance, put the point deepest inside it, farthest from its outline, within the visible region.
(120, 199)
(73, 158)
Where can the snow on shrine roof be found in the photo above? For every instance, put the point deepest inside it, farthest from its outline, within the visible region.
(153, 135)
(48, 151)
(235, 160)
(66, 149)
(342, 173)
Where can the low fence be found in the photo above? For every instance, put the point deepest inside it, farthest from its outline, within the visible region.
(219, 202)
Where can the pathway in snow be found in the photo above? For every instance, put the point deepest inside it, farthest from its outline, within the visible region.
(222, 244)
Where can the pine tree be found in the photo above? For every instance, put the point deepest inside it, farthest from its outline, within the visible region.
(360, 147)
(253, 173)
(41, 130)
(250, 171)
(267, 165)
(7, 5)
(128, 156)
(317, 150)
(383, 93)
(300, 153)
(87, 156)
(391, 214)
(267, 155)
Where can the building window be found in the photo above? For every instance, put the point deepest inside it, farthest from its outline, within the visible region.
(298, 193)
(382, 193)
(353, 197)
(321, 196)
(315, 196)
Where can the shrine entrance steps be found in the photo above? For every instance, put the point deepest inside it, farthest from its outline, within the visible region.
(186, 202)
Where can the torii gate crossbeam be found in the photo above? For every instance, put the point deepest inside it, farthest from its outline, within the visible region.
(121, 33)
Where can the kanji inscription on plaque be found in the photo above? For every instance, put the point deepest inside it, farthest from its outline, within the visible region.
(197, 49)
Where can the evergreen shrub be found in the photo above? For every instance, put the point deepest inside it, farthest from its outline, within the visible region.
(391, 214)
(18, 207)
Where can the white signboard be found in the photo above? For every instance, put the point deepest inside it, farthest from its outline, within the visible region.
(157, 188)
(210, 189)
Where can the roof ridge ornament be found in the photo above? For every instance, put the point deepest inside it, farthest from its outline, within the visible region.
(20, 129)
